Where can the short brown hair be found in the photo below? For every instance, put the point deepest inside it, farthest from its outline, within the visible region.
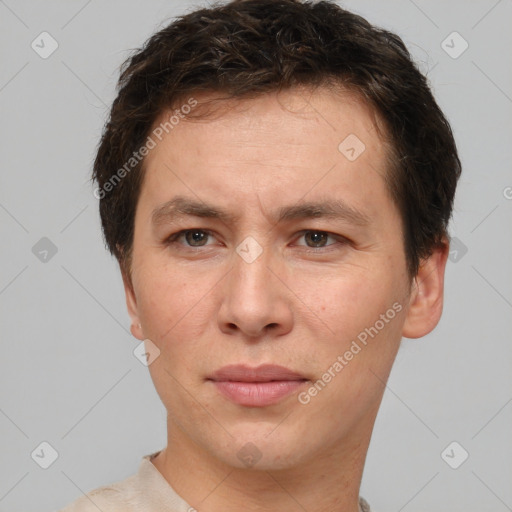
(250, 47)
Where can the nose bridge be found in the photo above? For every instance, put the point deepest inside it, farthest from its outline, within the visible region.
(253, 298)
(251, 277)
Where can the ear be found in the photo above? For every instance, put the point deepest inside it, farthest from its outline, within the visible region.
(426, 300)
(131, 304)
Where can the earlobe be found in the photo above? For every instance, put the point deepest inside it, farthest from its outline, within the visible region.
(131, 304)
(136, 330)
(426, 300)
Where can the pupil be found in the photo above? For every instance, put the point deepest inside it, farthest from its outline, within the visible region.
(196, 236)
(316, 237)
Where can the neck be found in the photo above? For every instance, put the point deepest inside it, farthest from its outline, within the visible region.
(329, 483)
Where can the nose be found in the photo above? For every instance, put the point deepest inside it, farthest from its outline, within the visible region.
(255, 299)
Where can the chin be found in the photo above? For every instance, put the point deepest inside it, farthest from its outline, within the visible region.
(258, 450)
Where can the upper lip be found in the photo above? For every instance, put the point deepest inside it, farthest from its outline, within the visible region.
(263, 373)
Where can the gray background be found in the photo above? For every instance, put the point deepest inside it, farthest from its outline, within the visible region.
(68, 375)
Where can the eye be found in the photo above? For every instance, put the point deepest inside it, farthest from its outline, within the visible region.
(318, 239)
(193, 237)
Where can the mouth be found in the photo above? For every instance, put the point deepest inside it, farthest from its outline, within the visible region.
(256, 387)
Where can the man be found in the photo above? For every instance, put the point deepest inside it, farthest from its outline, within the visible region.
(276, 181)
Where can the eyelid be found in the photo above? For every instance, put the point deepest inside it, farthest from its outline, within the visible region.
(339, 239)
(178, 234)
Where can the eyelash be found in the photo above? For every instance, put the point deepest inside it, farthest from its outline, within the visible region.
(341, 240)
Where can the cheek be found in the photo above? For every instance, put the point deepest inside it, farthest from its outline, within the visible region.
(348, 302)
(359, 318)
(170, 301)
(355, 355)
(173, 308)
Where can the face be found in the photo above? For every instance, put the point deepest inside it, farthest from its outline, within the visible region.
(264, 236)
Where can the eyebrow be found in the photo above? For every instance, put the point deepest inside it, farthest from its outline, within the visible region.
(334, 209)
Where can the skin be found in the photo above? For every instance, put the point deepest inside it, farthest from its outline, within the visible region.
(300, 304)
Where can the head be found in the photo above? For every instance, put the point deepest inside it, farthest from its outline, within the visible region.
(303, 151)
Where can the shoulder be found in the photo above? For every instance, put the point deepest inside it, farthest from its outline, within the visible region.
(120, 496)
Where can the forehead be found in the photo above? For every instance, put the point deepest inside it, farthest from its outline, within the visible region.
(291, 143)
(320, 104)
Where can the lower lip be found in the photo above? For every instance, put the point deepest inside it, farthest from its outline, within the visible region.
(257, 394)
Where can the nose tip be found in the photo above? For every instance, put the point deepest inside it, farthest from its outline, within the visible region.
(254, 301)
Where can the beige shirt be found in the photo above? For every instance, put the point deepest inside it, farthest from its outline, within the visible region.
(146, 491)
